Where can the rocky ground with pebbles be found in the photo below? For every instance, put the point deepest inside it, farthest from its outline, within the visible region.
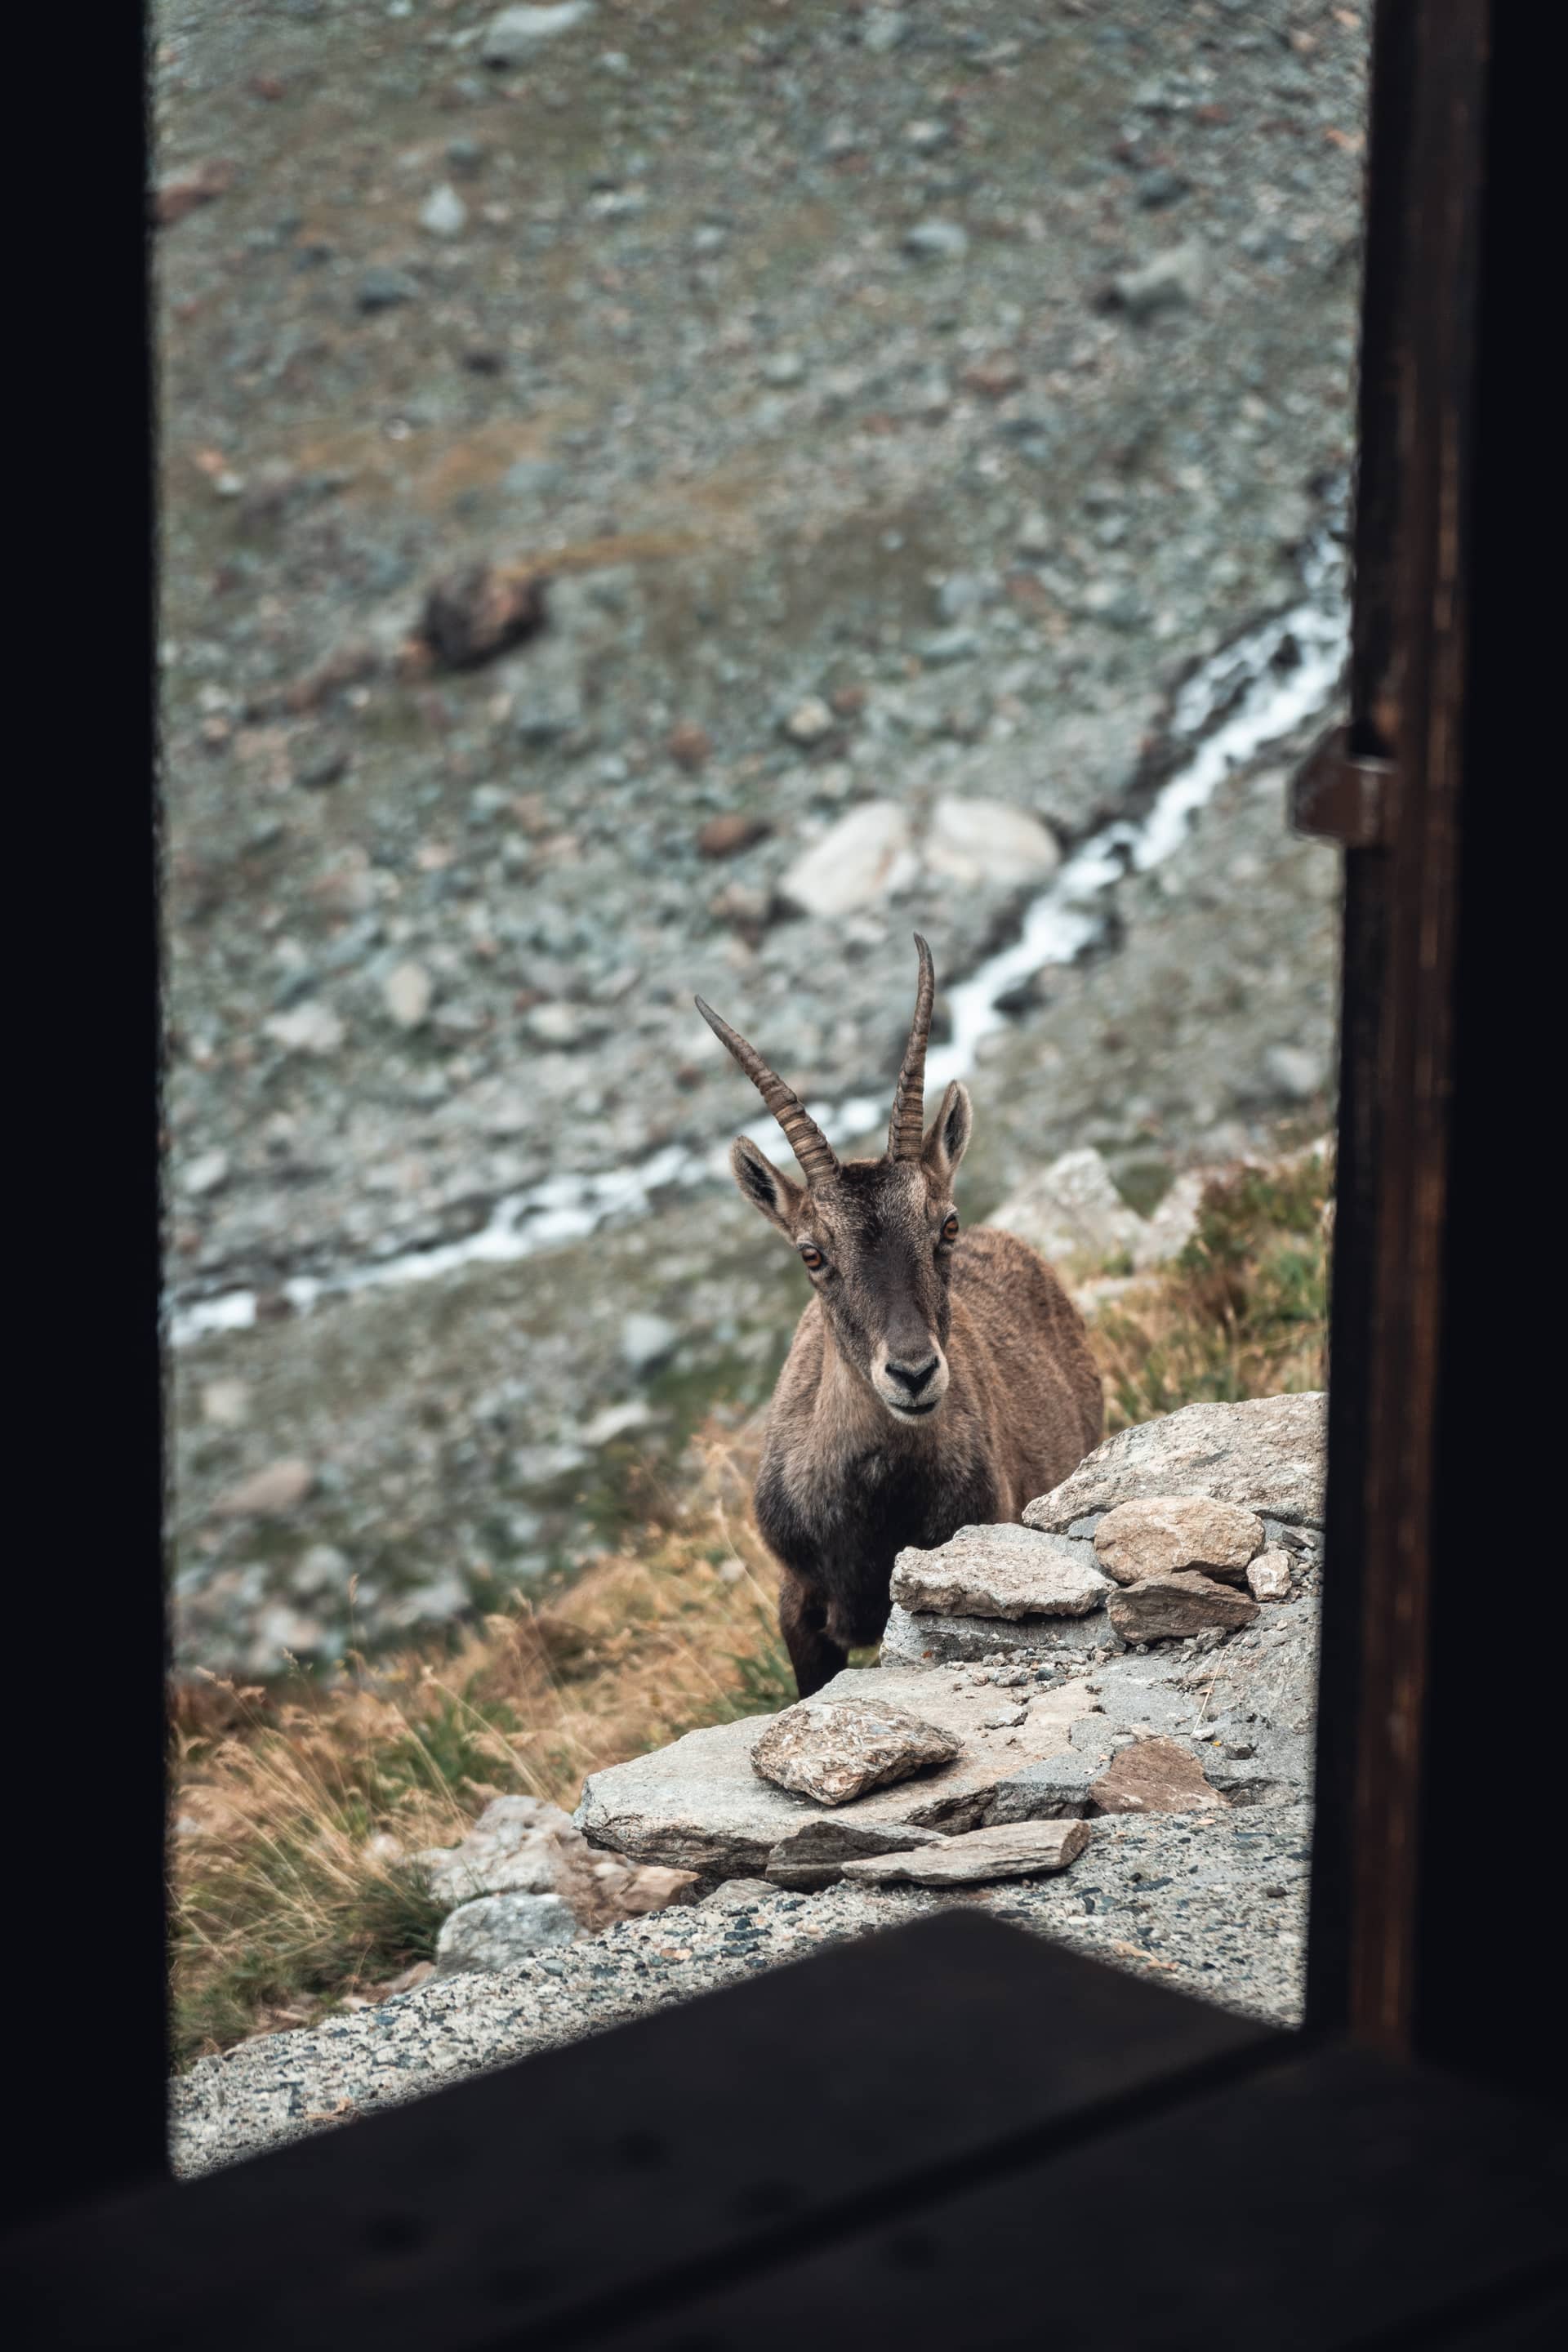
(1146, 1799)
(898, 405)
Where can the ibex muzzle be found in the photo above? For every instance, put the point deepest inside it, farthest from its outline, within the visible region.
(937, 1379)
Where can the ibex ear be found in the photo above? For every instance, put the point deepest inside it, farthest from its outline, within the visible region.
(947, 1137)
(767, 1188)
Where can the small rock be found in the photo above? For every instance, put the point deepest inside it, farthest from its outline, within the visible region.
(653, 1888)
(201, 185)
(479, 611)
(1004, 1850)
(809, 721)
(307, 1029)
(500, 1929)
(648, 1342)
(1056, 1788)
(227, 1403)
(444, 213)
(882, 29)
(861, 860)
(384, 289)
(689, 745)
(1176, 1531)
(1161, 187)
(814, 1854)
(988, 842)
(514, 1848)
(1269, 1576)
(407, 992)
(727, 835)
(317, 765)
(1154, 1776)
(204, 1174)
(320, 1569)
(266, 1494)
(937, 241)
(784, 368)
(1296, 1071)
(511, 38)
(1171, 281)
(834, 1750)
(994, 380)
(1000, 1571)
(1164, 1608)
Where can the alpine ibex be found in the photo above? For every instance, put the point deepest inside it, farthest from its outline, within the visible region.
(936, 1380)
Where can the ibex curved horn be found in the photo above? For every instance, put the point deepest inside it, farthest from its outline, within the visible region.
(806, 1140)
(907, 1127)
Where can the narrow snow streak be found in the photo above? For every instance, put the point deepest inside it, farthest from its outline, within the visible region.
(1275, 677)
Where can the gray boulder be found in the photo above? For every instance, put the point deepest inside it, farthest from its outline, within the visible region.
(1266, 1455)
(500, 1929)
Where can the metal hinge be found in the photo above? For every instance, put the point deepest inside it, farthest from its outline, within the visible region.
(1344, 796)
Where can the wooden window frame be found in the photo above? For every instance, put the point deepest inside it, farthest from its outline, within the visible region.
(1409, 2009)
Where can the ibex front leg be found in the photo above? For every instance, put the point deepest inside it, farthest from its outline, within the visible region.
(815, 1656)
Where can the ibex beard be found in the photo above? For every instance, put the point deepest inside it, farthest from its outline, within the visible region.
(938, 1379)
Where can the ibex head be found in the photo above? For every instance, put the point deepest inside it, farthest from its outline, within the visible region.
(875, 1236)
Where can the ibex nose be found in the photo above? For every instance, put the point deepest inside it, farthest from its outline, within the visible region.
(913, 1377)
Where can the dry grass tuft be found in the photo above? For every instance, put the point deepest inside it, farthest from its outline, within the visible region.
(1243, 1312)
(296, 1812)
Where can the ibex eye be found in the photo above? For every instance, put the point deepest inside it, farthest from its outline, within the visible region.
(950, 1231)
(813, 1257)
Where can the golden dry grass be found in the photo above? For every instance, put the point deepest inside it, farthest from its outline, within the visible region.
(296, 1812)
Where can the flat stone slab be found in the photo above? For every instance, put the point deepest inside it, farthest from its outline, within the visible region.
(1002, 1572)
(1164, 1608)
(921, 1640)
(1008, 1849)
(814, 1854)
(1177, 1532)
(837, 1749)
(700, 1805)
(1267, 1454)
(1153, 1776)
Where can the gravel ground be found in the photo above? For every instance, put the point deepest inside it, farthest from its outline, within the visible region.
(782, 336)
(1215, 1907)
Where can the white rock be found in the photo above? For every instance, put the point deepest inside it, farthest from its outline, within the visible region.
(499, 1930)
(512, 37)
(227, 1403)
(205, 1173)
(1269, 1576)
(307, 1029)
(809, 721)
(1296, 1071)
(444, 213)
(861, 861)
(937, 240)
(407, 992)
(647, 1341)
(1001, 1571)
(1170, 281)
(1006, 1850)
(988, 842)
